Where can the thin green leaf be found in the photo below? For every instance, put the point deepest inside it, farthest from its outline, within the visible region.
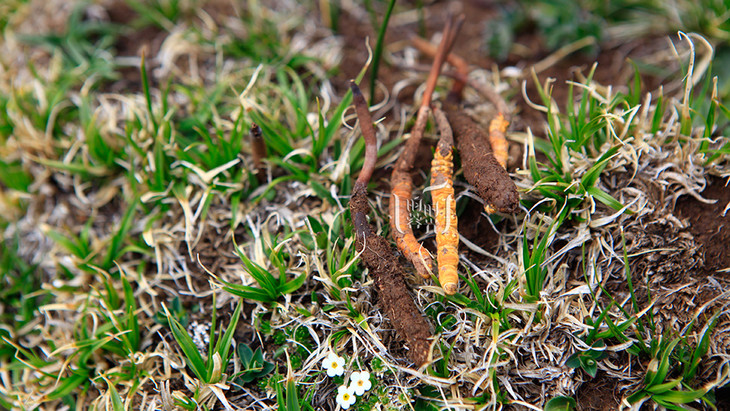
(68, 384)
(119, 236)
(606, 199)
(292, 397)
(377, 53)
(663, 366)
(223, 345)
(591, 176)
(192, 355)
(117, 404)
(660, 388)
(561, 403)
(681, 397)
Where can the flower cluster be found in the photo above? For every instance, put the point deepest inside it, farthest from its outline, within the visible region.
(359, 380)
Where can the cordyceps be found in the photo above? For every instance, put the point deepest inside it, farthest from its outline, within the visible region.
(483, 155)
(377, 255)
(444, 204)
(402, 185)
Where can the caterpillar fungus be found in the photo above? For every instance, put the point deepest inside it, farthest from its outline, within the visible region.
(400, 224)
(377, 255)
(442, 195)
(401, 180)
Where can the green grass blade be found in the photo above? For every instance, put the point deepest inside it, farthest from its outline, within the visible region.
(680, 397)
(83, 170)
(280, 399)
(132, 324)
(606, 199)
(664, 387)
(292, 397)
(147, 95)
(117, 404)
(591, 176)
(267, 281)
(223, 345)
(14, 177)
(116, 242)
(192, 355)
(378, 52)
(247, 292)
(69, 384)
(702, 346)
(293, 285)
(68, 243)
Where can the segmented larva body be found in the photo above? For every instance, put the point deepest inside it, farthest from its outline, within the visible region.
(400, 225)
(447, 236)
(500, 148)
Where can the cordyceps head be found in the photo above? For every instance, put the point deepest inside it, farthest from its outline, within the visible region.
(450, 288)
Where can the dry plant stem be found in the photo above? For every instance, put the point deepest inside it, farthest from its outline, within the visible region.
(401, 180)
(378, 257)
(447, 235)
(481, 169)
(258, 151)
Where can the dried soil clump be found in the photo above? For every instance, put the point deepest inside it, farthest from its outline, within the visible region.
(481, 169)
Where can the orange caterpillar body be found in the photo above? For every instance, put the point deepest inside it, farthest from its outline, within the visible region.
(447, 236)
(500, 148)
(400, 225)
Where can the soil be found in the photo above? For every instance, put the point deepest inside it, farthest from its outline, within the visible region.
(723, 398)
(599, 394)
(132, 43)
(709, 227)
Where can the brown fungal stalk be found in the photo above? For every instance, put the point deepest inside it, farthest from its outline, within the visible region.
(401, 180)
(377, 255)
(258, 150)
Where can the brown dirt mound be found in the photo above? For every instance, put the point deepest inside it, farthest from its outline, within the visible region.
(709, 227)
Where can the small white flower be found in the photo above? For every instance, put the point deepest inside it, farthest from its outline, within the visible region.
(345, 397)
(334, 364)
(360, 382)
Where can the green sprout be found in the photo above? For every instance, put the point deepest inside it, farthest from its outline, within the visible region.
(253, 363)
